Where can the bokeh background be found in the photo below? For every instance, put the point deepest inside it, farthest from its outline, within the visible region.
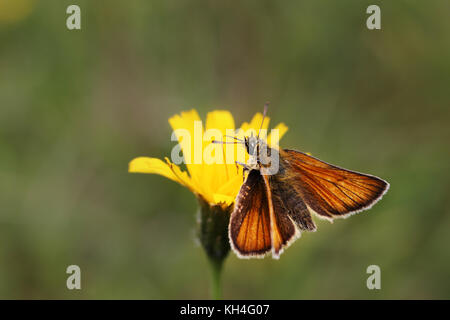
(77, 106)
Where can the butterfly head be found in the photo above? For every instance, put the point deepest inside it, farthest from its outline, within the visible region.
(258, 151)
(251, 144)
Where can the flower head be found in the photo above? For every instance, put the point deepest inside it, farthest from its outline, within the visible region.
(216, 182)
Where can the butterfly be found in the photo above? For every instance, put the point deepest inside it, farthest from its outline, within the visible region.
(272, 208)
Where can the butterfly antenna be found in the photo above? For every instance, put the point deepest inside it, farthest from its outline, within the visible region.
(235, 138)
(266, 106)
(225, 142)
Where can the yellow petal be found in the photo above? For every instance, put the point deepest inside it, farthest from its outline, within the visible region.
(151, 165)
(223, 199)
(282, 128)
(233, 185)
(184, 120)
(192, 148)
(255, 124)
(221, 120)
(182, 176)
(215, 175)
(157, 166)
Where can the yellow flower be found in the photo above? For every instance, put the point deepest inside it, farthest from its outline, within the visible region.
(216, 183)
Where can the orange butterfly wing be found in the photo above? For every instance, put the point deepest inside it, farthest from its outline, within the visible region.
(266, 217)
(249, 228)
(327, 189)
(270, 211)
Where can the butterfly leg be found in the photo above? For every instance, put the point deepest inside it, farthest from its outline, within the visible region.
(245, 168)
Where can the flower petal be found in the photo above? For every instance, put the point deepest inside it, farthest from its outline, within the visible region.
(157, 166)
(255, 124)
(221, 120)
(217, 174)
(182, 176)
(189, 121)
(282, 129)
(186, 122)
(233, 185)
(223, 199)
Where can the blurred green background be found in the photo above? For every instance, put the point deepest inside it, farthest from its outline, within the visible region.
(77, 106)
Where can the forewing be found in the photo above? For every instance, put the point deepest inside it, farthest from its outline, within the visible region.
(249, 228)
(329, 190)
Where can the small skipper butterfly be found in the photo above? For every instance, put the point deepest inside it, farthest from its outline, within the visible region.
(273, 208)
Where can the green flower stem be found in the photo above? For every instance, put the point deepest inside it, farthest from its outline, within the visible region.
(216, 279)
(213, 235)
